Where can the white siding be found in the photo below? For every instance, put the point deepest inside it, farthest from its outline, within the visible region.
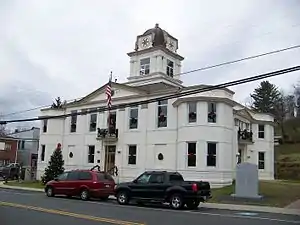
(170, 141)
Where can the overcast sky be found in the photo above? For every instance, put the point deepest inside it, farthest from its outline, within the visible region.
(67, 48)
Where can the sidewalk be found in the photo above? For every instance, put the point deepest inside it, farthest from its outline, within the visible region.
(294, 205)
(288, 210)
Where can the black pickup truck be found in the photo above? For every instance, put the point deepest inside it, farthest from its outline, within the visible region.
(163, 187)
(10, 171)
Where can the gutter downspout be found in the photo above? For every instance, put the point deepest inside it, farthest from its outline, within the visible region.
(16, 155)
(63, 131)
(176, 149)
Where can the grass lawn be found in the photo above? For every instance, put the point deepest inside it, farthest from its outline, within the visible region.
(276, 194)
(287, 150)
(29, 184)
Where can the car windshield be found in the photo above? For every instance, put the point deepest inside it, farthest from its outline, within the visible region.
(144, 178)
(11, 165)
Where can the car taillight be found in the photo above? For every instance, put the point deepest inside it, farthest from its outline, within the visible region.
(194, 187)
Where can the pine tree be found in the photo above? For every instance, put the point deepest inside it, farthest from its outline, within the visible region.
(57, 104)
(55, 165)
(266, 97)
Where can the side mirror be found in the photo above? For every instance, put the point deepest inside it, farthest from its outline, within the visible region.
(56, 179)
(134, 181)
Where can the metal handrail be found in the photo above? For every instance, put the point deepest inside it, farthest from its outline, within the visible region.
(113, 171)
(97, 166)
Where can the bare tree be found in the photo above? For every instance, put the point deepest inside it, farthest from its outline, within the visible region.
(3, 131)
(284, 109)
(297, 98)
(248, 102)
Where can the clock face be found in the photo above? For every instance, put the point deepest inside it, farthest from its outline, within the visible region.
(171, 45)
(145, 42)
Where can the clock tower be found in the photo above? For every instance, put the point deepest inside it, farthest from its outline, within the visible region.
(155, 59)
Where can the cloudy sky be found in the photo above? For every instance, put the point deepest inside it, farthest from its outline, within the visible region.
(67, 48)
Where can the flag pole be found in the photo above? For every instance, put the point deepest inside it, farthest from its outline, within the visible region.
(109, 101)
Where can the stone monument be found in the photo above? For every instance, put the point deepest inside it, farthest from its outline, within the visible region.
(246, 182)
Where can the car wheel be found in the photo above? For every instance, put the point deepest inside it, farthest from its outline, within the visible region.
(123, 198)
(84, 195)
(50, 191)
(176, 201)
(193, 204)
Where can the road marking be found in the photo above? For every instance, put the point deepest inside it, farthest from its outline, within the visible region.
(75, 215)
(247, 214)
(197, 212)
(233, 215)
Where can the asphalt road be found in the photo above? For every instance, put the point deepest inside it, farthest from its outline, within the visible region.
(31, 208)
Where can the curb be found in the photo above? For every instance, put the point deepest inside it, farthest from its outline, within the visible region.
(4, 186)
(250, 208)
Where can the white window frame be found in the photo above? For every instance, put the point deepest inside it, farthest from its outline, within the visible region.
(88, 154)
(73, 115)
(208, 105)
(157, 113)
(90, 120)
(187, 154)
(170, 69)
(129, 117)
(7, 146)
(145, 67)
(259, 132)
(128, 155)
(216, 154)
(188, 110)
(264, 160)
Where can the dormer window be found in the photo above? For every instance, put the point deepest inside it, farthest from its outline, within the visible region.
(145, 66)
(170, 68)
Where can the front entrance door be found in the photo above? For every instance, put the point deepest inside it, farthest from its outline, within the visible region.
(110, 153)
(239, 156)
(242, 154)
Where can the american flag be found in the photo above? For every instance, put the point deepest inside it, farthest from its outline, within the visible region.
(108, 92)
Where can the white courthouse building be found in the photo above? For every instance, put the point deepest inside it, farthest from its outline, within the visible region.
(203, 136)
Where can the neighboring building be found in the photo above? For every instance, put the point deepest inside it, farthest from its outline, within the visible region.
(277, 140)
(28, 145)
(8, 148)
(196, 135)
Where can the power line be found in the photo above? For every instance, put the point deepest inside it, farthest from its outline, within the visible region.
(32, 109)
(183, 73)
(166, 97)
(243, 59)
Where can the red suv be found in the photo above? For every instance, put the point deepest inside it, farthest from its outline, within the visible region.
(83, 183)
